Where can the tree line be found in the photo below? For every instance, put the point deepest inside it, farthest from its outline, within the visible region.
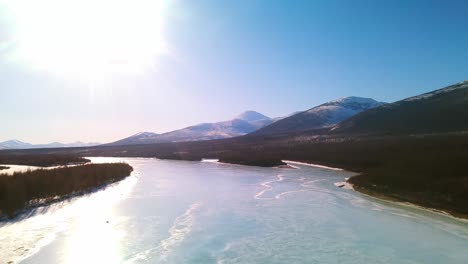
(23, 189)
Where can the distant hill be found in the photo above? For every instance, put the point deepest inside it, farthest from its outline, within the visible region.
(439, 111)
(242, 124)
(139, 138)
(251, 116)
(16, 144)
(321, 116)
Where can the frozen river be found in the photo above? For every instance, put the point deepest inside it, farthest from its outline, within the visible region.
(201, 212)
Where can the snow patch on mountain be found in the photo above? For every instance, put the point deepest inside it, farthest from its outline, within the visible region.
(14, 144)
(242, 124)
(250, 116)
(338, 110)
(461, 85)
(324, 115)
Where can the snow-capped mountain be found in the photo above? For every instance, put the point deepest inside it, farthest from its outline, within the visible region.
(441, 111)
(451, 88)
(16, 144)
(338, 110)
(242, 124)
(138, 138)
(251, 116)
(321, 116)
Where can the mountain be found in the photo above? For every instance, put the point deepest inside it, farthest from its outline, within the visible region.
(16, 144)
(440, 111)
(242, 124)
(251, 116)
(69, 145)
(139, 138)
(324, 115)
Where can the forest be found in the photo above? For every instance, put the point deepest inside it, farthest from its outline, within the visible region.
(35, 187)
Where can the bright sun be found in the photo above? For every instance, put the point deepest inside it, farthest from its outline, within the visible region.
(86, 37)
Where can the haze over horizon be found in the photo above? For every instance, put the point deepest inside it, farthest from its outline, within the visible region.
(172, 64)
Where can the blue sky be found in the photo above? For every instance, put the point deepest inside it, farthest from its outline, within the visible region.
(217, 59)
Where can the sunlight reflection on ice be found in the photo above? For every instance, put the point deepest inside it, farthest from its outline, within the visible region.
(94, 231)
(85, 216)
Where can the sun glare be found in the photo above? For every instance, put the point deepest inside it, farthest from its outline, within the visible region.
(87, 37)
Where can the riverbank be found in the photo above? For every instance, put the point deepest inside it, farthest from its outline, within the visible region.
(312, 165)
(406, 202)
(257, 163)
(41, 160)
(348, 184)
(34, 188)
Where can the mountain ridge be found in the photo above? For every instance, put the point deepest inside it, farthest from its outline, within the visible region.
(438, 111)
(323, 115)
(17, 144)
(240, 125)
